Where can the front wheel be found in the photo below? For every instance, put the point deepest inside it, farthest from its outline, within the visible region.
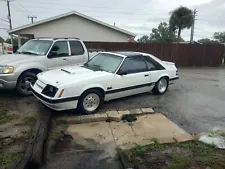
(23, 83)
(161, 86)
(90, 101)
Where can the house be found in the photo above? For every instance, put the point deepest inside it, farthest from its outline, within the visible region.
(73, 24)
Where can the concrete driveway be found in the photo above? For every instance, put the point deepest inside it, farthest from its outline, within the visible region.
(196, 101)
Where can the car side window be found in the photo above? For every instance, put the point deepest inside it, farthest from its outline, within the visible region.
(76, 48)
(60, 49)
(133, 64)
(152, 64)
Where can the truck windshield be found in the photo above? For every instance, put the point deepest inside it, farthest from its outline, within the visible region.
(35, 47)
(104, 62)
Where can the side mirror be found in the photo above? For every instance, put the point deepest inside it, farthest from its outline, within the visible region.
(121, 73)
(52, 54)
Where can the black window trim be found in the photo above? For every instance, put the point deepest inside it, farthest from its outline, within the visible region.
(71, 49)
(147, 70)
(68, 47)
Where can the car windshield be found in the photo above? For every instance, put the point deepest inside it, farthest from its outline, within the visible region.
(104, 62)
(35, 47)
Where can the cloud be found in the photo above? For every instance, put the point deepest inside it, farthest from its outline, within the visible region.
(136, 16)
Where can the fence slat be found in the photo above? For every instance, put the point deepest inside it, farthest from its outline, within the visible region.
(183, 55)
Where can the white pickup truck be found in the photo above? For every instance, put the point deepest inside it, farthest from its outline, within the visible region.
(18, 70)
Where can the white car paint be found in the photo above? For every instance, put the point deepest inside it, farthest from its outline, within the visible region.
(75, 80)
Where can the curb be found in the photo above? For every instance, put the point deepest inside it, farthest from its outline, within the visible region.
(108, 115)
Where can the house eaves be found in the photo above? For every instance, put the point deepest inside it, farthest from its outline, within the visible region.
(69, 14)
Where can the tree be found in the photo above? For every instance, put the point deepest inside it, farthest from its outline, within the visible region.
(220, 36)
(1, 39)
(207, 41)
(144, 39)
(180, 19)
(162, 34)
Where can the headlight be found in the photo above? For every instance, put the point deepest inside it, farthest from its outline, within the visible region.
(6, 69)
(50, 91)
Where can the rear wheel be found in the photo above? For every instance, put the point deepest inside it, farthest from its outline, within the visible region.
(23, 83)
(90, 101)
(161, 86)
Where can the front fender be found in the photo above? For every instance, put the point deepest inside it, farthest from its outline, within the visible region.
(27, 66)
(91, 86)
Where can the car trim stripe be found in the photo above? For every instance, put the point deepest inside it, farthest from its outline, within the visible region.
(128, 88)
(56, 101)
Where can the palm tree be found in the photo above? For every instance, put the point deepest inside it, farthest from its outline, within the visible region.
(180, 19)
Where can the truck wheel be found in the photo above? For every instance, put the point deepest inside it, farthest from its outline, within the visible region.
(23, 83)
(90, 101)
(161, 86)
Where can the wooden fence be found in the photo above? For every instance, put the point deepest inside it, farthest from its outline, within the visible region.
(184, 55)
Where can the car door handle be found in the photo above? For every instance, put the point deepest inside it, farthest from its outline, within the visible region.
(64, 59)
(146, 75)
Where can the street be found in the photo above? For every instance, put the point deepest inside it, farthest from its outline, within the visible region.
(195, 101)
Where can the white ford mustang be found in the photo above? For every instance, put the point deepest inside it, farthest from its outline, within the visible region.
(105, 77)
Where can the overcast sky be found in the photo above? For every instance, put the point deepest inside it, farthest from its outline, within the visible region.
(137, 16)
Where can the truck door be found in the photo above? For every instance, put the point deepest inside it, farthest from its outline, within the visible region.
(78, 54)
(58, 55)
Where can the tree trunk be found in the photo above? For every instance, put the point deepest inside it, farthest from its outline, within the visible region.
(179, 32)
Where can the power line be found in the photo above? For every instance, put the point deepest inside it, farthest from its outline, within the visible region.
(203, 30)
(19, 10)
(91, 7)
(24, 9)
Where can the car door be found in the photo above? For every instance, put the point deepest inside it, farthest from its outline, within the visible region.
(77, 53)
(132, 78)
(58, 55)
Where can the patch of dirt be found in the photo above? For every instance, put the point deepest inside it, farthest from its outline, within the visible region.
(188, 155)
(17, 118)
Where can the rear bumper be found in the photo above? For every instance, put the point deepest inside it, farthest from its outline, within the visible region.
(56, 104)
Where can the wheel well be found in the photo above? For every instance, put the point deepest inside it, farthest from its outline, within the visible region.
(97, 88)
(36, 71)
(167, 77)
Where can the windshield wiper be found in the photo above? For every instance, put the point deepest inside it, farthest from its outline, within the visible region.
(99, 67)
(28, 53)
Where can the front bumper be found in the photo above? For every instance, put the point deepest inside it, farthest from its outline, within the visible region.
(56, 104)
(7, 81)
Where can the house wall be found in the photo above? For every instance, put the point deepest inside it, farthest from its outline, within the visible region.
(75, 26)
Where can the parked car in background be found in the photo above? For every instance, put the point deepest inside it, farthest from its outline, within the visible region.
(18, 70)
(105, 77)
(5, 48)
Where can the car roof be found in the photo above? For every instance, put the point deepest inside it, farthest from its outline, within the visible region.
(55, 39)
(125, 53)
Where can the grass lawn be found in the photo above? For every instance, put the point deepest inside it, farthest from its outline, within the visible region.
(187, 155)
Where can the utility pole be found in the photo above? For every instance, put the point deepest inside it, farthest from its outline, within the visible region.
(9, 18)
(193, 26)
(32, 18)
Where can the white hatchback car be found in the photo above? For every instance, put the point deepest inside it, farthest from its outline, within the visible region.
(105, 77)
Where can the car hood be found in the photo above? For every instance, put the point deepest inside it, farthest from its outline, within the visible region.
(69, 74)
(12, 59)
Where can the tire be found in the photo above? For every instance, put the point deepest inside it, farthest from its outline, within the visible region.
(161, 86)
(90, 101)
(23, 83)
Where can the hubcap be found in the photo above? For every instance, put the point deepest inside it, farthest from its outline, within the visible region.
(25, 85)
(162, 85)
(91, 102)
